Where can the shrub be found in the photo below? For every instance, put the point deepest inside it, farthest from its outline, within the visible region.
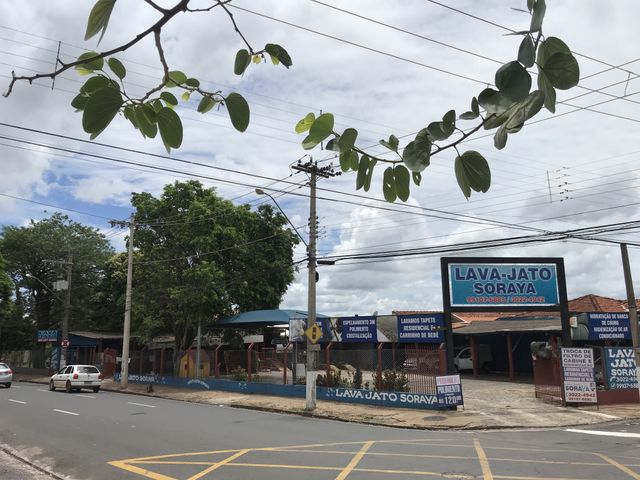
(357, 378)
(392, 380)
(239, 374)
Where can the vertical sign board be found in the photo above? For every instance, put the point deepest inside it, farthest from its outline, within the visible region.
(578, 374)
(620, 363)
(449, 390)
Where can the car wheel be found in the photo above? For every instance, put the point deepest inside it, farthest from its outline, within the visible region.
(67, 387)
(8, 385)
(52, 387)
(96, 389)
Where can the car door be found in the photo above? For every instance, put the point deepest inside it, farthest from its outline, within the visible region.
(63, 376)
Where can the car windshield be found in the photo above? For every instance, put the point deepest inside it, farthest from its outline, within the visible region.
(4, 366)
(87, 370)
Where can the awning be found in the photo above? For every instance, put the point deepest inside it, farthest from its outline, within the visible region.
(263, 318)
(509, 326)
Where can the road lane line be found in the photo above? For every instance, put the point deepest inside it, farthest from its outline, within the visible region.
(84, 396)
(354, 461)
(619, 466)
(64, 411)
(606, 434)
(219, 464)
(484, 462)
(17, 401)
(141, 405)
(140, 471)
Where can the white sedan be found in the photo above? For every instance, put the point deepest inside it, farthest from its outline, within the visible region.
(76, 377)
(6, 375)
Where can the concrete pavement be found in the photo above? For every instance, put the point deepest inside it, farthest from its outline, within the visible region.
(489, 404)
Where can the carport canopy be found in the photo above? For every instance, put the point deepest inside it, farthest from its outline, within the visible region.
(263, 318)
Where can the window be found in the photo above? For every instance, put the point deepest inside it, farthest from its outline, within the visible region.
(88, 370)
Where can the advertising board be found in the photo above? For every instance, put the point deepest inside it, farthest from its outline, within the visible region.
(608, 326)
(578, 375)
(449, 390)
(620, 364)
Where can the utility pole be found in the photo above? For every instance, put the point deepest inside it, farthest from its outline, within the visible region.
(124, 371)
(67, 308)
(314, 171)
(633, 312)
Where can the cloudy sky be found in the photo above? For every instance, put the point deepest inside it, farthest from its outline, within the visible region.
(381, 67)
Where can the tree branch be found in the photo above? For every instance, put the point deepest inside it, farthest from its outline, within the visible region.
(157, 7)
(235, 25)
(438, 149)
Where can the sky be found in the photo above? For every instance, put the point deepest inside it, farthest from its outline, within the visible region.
(380, 67)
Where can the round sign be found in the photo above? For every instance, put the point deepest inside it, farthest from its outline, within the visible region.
(65, 343)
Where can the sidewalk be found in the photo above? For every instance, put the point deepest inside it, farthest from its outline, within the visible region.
(488, 405)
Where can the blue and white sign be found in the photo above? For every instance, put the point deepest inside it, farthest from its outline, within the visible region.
(358, 329)
(503, 284)
(421, 328)
(620, 363)
(609, 326)
(449, 390)
(47, 336)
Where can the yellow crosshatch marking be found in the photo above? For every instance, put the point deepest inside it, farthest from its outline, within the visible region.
(349, 457)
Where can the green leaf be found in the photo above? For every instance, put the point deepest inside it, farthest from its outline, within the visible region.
(130, 114)
(389, 185)
(549, 92)
(192, 82)
(257, 59)
(308, 143)
(474, 106)
(417, 178)
(417, 153)
(186, 96)
(206, 104)
(100, 109)
(117, 67)
(472, 173)
(402, 180)
(321, 128)
(243, 59)
(347, 159)
(449, 122)
(333, 145)
(363, 168)
(527, 52)
(170, 128)
(355, 159)
(347, 139)
(493, 101)
(550, 46)
(539, 9)
(367, 181)
(562, 70)
(500, 138)
(468, 116)
(305, 124)
(156, 105)
(175, 78)
(170, 98)
(99, 18)
(146, 121)
(79, 102)
(391, 144)
(96, 64)
(278, 53)
(513, 81)
(238, 109)
(530, 4)
(96, 83)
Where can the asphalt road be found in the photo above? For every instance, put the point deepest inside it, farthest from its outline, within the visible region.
(120, 436)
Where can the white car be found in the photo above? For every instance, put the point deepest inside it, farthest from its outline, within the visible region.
(6, 375)
(76, 377)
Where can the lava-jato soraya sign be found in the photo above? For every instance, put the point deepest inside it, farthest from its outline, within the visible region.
(503, 284)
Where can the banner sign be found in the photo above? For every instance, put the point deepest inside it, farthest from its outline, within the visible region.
(609, 326)
(421, 328)
(47, 336)
(449, 390)
(620, 363)
(503, 284)
(578, 374)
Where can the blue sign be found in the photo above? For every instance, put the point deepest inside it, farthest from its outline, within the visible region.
(503, 284)
(620, 363)
(421, 328)
(609, 326)
(449, 390)
(358, 329)
(47, 335)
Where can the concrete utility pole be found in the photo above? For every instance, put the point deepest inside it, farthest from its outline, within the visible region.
(67, 308)
(312, 349)
(633, 312)
(124, 371)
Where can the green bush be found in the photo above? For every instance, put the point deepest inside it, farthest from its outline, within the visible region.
(332, 379)
(239, 374)
(357, 378)
(392, 381)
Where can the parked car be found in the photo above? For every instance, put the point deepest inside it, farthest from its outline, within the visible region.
(464, 361)
(76, 377)
(6, 375)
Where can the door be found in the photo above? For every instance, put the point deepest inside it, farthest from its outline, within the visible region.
(62, 376)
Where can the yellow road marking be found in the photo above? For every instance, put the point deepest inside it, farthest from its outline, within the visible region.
(619, 466)
(140, 471)
(219, 464)
(354, 461)
(484, 463)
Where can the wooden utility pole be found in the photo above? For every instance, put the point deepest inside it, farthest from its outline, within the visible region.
(124, 371)
(631, 301)
(67, 308)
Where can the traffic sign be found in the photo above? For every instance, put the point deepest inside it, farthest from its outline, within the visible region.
(64, 343)
(313, 333)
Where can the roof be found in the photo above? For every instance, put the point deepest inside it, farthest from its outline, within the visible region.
(508, 326)
(596, 303)
(263, 318)
(98, 335)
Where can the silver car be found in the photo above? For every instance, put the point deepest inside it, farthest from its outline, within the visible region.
(6, 375)
(76, 377)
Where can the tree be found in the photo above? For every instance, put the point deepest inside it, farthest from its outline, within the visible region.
(11, 335)
(35, 258)
(506, 108)
(200, 258)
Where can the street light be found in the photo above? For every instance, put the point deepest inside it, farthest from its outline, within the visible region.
(28, 275)
(259, 191)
